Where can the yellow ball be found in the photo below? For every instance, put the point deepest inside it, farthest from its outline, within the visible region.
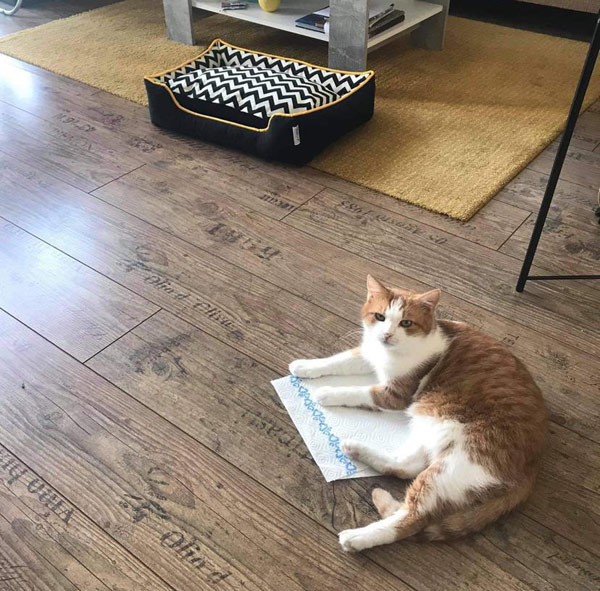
(269, 5)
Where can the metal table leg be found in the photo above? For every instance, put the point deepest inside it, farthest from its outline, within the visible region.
(13, 10)
(586, 74)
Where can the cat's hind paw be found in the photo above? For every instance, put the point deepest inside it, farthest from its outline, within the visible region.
(353, 540)
(305, 368)
(361, 538)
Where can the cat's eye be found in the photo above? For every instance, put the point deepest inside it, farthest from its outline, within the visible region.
(405, 323)
(379, 317)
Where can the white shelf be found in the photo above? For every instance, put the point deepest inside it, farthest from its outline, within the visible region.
(284, 18)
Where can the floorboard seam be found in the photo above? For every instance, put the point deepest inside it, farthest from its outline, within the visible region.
(50, 174)
(547, 172)
(301, 205)
(513, 233)
(116, 179)
(122, 335)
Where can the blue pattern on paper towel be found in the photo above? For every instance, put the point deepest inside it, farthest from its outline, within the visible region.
(317, 415)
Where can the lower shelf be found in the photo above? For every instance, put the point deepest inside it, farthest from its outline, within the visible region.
(284, 19)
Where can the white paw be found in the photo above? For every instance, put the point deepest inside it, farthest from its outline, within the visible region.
(352, 448)
(327, 396)
(305, 368)
(353, 540)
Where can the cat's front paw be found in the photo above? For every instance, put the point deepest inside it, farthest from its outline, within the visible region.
(306, 368)
(353, 540)
(327, 396)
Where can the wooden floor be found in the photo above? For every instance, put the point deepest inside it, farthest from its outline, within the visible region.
(150, 288)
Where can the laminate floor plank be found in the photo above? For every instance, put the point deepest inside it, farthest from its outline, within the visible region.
(23, 569)
(490, 226)
(191, 517)
(581, 166)
(68, 155)
(38, 12)
(229, 303)
(572, 204)
(564, 564)
(212, 294)
(20, 82)
(54, 545)
(72, 306)
(587, 131)
(562, 248)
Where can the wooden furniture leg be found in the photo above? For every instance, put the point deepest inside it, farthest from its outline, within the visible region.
(179, 20)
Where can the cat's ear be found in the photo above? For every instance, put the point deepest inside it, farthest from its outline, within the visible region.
(430, 299)
(375, 287)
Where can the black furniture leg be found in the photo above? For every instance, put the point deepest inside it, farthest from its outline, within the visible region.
(586, 74)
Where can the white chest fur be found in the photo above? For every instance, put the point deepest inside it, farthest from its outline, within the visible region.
(394, 362)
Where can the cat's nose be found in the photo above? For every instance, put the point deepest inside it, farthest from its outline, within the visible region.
(387, 336)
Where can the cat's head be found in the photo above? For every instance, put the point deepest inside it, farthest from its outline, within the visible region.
(395, 316)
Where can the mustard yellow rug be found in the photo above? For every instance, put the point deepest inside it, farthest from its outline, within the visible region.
(450, 128)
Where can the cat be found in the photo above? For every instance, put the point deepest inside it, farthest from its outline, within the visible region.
(477, 419)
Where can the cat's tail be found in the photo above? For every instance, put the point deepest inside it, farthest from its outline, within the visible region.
(460, 522)
(476, 517)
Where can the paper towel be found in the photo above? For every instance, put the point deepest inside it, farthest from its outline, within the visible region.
(324, 428)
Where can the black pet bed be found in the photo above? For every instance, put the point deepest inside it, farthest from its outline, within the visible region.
(274, 107)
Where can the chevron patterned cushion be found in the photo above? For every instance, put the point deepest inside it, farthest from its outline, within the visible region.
(255, 90)
(247, 87)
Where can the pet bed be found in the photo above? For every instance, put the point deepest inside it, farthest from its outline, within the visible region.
(270, 106)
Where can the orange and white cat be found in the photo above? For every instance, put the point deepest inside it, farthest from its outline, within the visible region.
(478, 420)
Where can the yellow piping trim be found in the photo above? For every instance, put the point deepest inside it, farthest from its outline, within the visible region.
(152, 78)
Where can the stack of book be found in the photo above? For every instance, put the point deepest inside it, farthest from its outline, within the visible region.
(380, 19)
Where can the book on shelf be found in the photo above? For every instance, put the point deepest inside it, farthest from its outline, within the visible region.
(381, 17)
(392, 19)
(315, 21)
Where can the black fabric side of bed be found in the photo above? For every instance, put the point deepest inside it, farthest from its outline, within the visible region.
(315, 130)
(323, 127)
